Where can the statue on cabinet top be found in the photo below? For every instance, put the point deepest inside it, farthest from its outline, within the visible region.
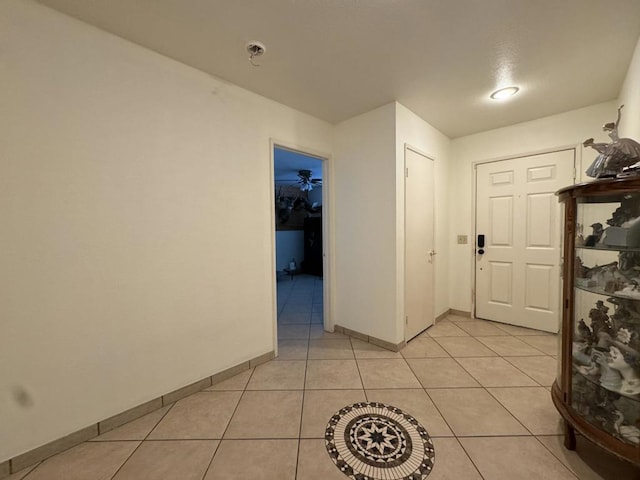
(621, 155)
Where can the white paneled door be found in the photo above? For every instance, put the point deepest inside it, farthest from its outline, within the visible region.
(419, 243)
(517, 212)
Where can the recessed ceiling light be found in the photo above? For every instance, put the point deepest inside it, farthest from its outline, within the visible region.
(504, 93)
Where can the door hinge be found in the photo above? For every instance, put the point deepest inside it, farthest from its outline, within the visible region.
(406, 172)
(406, 320)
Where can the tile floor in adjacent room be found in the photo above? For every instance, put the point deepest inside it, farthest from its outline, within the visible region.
(481, 389)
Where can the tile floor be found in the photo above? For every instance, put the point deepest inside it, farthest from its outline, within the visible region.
(481, 389)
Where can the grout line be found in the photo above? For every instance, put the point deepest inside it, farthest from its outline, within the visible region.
(366, 397)
(554, 455)
(304, 390)
(228, 423)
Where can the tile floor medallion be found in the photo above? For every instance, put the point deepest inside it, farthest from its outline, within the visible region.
(372, 440)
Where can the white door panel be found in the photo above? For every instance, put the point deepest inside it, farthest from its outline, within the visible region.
(419, 242)
(518, 276)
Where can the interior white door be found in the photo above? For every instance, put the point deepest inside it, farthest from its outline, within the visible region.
(419, 243)
(518, 275)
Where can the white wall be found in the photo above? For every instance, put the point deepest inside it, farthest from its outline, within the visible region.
(289, 244)
(131, 232)
(566, 129)
(630, 98)
(412, 130)
(369, 179)
(364, 222)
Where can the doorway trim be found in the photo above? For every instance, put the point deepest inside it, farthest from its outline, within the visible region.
(327, 232)
(577, 162)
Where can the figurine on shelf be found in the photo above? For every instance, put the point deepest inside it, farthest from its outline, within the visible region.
(624, 363)
(628, 210)
(600, 324)
(584, 332)
(613, 156)
(595, 237)
(579, 269)
(610, 378)
(624, 225)
(629, 263)
(630, 433)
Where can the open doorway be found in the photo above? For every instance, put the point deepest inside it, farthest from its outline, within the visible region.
(300, 237)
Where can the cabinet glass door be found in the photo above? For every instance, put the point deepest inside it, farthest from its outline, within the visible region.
(605, 383)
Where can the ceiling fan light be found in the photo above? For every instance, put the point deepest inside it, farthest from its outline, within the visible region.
(504, 93)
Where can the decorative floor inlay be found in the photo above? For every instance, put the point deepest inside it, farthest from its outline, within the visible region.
(375, 441)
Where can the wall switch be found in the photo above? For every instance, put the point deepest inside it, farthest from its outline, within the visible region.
(462, 239)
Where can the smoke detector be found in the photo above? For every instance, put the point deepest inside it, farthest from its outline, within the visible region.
(256, 49)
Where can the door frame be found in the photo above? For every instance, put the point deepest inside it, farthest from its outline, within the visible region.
(327, 232)
(432, 158)
(577, 161)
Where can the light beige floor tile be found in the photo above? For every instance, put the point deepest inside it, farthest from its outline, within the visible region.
(203, 415)
(330, 349)
(332, 375)
(548, 344)
(169, 460)
(451, 462)
(21, 474)
(514, 458)
(298, 307)
(387, 373)
(368, 350)
(509, 346)
(294, 319)
(441, 373)
(137, 429)
(89, 460)
(445, 329)
(320, 405)
(255, 460)
(465, 347)
(478, 328)
(473, 412)
(423, 347)
(294, 349)
(589, 462)
(315, 464)
(317, 331)
(282, 375)
(237, 382)
(267, 415)
(543, 369)
(532, 406)
(515, 330)
(495, 372)
(417, 404)
(292, 332)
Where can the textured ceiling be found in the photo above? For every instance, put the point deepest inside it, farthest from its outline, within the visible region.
(440, 58)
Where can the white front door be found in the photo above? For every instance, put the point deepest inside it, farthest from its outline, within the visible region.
(419, 243)
(517, 212)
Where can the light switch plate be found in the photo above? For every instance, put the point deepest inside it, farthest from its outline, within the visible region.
(462, 239)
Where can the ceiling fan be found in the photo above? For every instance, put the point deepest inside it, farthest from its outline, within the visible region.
(306, 182)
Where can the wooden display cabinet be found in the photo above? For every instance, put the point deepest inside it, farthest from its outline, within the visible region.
(597, 391)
